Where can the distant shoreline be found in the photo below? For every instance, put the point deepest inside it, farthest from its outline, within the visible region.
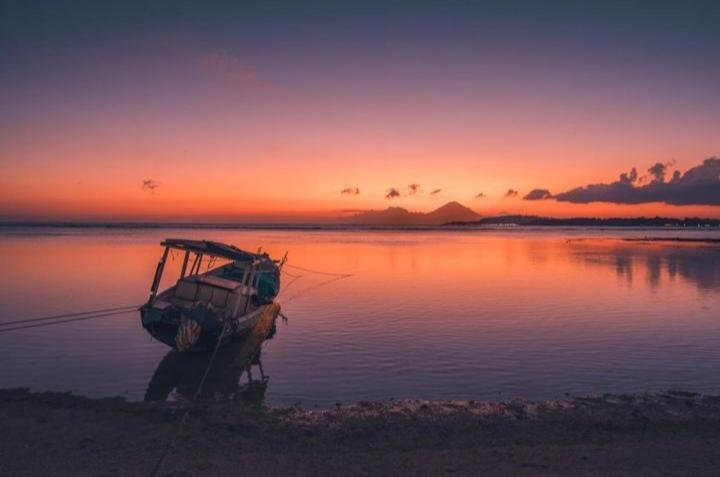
(538, 221)
(622, 435)
(488, 223)
(672, 239)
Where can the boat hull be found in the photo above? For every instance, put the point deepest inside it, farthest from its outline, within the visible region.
(165, 327)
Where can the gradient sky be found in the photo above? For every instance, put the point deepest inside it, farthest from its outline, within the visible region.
(268, 110)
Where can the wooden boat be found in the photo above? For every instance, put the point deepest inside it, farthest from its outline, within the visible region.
(222, 302)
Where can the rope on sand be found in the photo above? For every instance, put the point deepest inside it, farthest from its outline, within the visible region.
(173, 439)
(183, 421)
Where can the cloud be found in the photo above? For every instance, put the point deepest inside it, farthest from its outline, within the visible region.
(511, 193)
(230, 70)
(392, 193)
(629, 177)
(538, 194)
(150, 185)
(414, 189)
(480, 195)
(436, 191)
(699, 185)
(658, 170)
(350, 191)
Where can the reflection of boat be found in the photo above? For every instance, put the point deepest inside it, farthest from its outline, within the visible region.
(203, 308)
(183, 372)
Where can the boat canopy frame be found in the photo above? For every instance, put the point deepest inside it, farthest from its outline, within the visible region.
(212, 249)
(202, 248)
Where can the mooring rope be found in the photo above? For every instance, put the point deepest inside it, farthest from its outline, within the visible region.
(301, 293)
(335, 277)
(71, 315)
(173, 439)
(65, 318)
(319, 272)
(291, 275)
(285, 288)
(69, 320)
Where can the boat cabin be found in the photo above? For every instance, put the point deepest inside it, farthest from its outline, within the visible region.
(225, 297)
(226, 290)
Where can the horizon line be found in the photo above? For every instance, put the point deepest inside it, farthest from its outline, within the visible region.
(163, 223)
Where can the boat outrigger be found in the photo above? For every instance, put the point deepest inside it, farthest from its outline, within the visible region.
(218, 304)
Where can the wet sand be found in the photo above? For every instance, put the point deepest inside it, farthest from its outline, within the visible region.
(672, 433)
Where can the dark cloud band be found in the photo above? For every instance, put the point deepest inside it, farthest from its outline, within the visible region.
(699, 185)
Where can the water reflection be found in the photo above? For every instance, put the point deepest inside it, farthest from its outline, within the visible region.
(656, 262)
(529, 313)
(236, 373)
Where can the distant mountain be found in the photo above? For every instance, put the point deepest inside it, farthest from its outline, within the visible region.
(450, 212)
(534, 220)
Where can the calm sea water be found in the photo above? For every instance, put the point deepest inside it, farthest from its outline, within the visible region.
(426, 314)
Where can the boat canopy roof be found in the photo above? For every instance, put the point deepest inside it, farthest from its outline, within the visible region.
(213, 249)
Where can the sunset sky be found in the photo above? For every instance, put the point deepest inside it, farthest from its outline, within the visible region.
(294, 111)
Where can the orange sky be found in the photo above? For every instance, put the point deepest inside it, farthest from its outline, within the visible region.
(268, 123)
(85, 171)
(294, 184)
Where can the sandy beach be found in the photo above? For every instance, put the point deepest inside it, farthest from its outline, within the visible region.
(671, 433)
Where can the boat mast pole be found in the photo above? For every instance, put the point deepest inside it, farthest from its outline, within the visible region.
(185, 263)
(158, 275)
(247, 280)
(198, 257)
